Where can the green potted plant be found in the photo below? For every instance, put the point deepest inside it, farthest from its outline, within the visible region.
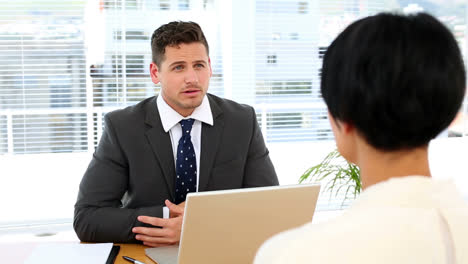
(335, 173)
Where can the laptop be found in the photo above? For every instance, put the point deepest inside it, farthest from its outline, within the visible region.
(229, 226)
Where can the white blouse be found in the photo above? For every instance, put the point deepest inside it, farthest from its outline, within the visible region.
(413, 219)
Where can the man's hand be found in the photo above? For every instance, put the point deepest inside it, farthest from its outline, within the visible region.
(168, 234)
(174, 212)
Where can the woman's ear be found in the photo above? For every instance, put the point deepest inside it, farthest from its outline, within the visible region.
(347, 127)
(343, 127)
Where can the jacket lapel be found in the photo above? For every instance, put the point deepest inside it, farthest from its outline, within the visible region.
(160, 143)
(210, 140)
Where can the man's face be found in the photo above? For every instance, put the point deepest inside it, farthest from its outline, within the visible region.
(184, 75)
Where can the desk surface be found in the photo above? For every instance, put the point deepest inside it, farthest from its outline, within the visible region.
(135, 251)
(18, 252)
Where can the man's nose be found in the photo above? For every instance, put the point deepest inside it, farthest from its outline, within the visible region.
(191, 76)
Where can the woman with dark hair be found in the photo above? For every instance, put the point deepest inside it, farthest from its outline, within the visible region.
(391, 83)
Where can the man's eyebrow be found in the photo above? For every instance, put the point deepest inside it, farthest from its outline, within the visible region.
(201, 61)
(184, 62)
(176, 63)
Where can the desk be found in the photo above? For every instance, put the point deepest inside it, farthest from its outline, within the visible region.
(135, 251)
(19, 252)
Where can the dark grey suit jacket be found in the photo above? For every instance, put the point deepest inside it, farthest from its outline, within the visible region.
(132, 170)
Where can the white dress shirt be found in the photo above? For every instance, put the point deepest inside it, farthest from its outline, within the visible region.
(170, 120)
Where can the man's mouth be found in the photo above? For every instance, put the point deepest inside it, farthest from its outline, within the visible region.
(191, 91)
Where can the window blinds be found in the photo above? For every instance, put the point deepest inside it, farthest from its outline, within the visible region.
(42, 77)
(64, 64)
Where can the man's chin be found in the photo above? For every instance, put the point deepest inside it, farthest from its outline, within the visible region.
(193, 100)
(192, 103)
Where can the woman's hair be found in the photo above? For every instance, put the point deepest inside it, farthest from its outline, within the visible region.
(400, 80)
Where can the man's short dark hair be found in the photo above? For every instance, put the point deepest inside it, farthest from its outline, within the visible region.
(173, 34)
(400, 80)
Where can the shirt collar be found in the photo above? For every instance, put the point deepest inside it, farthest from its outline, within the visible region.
(170, 118)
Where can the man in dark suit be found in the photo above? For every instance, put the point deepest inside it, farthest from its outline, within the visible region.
(135, 186)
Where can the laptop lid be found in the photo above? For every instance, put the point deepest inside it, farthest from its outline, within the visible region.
(229, 226)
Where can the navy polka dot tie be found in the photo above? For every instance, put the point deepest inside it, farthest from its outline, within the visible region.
(186, 164)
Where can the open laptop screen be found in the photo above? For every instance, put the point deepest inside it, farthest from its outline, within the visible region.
(229, 226)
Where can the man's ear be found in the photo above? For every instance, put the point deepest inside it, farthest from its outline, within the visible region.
(209, 63)
(154, 72)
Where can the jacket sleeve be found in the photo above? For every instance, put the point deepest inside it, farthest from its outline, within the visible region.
(259, 170)
(99, 215)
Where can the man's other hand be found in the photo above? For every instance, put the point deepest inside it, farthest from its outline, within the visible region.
(169, 231)
(175, 210)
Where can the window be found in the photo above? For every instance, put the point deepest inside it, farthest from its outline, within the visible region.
(281, 6)
(131, 35)
(290, 126)
(119, 4)
(112, 4)
(65, 64)
(283, 87)
(271, 59)
(130, 4)
(184, 4)
(134, 65)
(276, 36)
(294, 36)
(164, 4)
(302, 7)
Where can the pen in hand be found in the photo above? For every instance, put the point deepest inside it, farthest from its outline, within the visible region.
(134, 261)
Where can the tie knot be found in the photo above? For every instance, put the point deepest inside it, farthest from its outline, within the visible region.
(186, 125)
